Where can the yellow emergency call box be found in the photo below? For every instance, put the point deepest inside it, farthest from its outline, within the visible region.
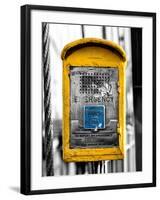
(93, 100)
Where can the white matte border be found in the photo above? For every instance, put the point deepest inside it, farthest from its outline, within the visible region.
(43, 183)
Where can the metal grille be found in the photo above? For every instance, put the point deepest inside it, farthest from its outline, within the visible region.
(92, 83)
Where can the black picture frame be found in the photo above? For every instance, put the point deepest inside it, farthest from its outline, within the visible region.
(26, 98)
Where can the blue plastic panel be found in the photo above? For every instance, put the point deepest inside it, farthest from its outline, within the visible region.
(94, 117)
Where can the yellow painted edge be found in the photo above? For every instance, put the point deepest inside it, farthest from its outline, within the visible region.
(88, 158)
(98, 41)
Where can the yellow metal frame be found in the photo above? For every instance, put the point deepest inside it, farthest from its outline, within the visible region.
(99, 53)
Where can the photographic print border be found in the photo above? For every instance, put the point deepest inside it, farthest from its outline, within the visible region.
(26, 98)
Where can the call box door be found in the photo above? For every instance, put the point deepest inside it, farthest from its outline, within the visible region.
(93, 107)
